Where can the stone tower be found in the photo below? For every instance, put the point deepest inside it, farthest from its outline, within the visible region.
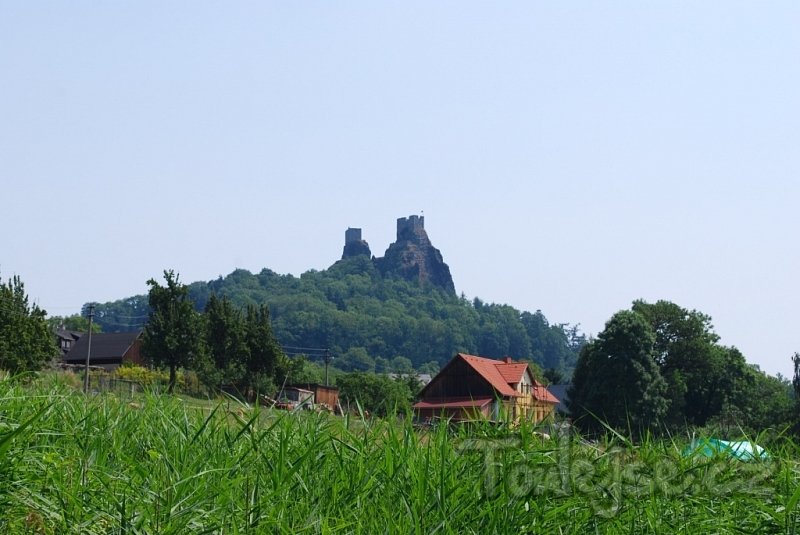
(354, 245)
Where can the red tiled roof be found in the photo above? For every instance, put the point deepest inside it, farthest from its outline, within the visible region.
(452, 403)
(541, 393)
(490, 370)
(512, 372)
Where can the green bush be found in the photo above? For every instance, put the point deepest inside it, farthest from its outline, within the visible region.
(145, 376)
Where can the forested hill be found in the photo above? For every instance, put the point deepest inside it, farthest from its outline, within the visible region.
(372, 321)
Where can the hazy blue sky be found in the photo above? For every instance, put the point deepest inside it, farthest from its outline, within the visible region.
(569, 157)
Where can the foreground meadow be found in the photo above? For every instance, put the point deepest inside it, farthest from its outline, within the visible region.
(159, 464)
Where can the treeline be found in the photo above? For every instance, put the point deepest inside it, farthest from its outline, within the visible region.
(227, 347)
(660, 367)
(372, 323)
(235, 350)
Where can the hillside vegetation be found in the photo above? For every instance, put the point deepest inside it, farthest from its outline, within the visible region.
(372, 322)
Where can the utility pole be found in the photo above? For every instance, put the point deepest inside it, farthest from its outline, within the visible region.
(327, 360)
(90, 311)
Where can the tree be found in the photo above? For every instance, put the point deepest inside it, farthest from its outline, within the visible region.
(431, 368)
(26, 342)
(551, 343)
(760, 401)
(266, 360)
(75, 322)
(701, 375)
(616, 380)
(172, 336)
(375, 393)
(553, 376)
(401, 365)
(298, 370)
(226, 344)
(356, 359)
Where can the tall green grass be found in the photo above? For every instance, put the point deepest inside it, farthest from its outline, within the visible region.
(98, 464)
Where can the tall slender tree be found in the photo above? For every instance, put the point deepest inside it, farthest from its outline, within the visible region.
(266, 360)
(173, 334)
(226, 343)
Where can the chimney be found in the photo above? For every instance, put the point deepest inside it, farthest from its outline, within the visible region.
(507, 360)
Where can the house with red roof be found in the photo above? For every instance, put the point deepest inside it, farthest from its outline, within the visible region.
(471, 387)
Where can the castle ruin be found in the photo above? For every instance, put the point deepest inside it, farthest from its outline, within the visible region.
(411, 256)
(351, 235)
(353, 244)
(408, 226)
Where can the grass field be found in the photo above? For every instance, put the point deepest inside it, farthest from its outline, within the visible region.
(158, 464)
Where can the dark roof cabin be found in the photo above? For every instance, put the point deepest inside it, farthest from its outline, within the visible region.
(109, 350)
(66, 339)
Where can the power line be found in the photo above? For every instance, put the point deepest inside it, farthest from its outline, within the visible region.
(116, 324)
(102, 315)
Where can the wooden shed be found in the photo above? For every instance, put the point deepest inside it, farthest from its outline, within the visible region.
(327, 395)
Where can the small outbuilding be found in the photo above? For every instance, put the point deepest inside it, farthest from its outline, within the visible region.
(322, 394)
(292, 397)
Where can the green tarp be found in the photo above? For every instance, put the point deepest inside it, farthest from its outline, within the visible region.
(710, 447)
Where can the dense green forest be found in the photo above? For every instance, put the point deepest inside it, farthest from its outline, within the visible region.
(371, 322)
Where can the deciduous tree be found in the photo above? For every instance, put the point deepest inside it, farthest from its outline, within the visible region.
(617, 380)
(75, 322)
(701, 375)
(173, 334)
(376, 393)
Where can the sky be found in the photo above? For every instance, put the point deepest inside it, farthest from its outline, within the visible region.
(569, 157)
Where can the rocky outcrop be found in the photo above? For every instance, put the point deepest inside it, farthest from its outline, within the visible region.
(413, 257)
(354, 245)
(356, 248)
